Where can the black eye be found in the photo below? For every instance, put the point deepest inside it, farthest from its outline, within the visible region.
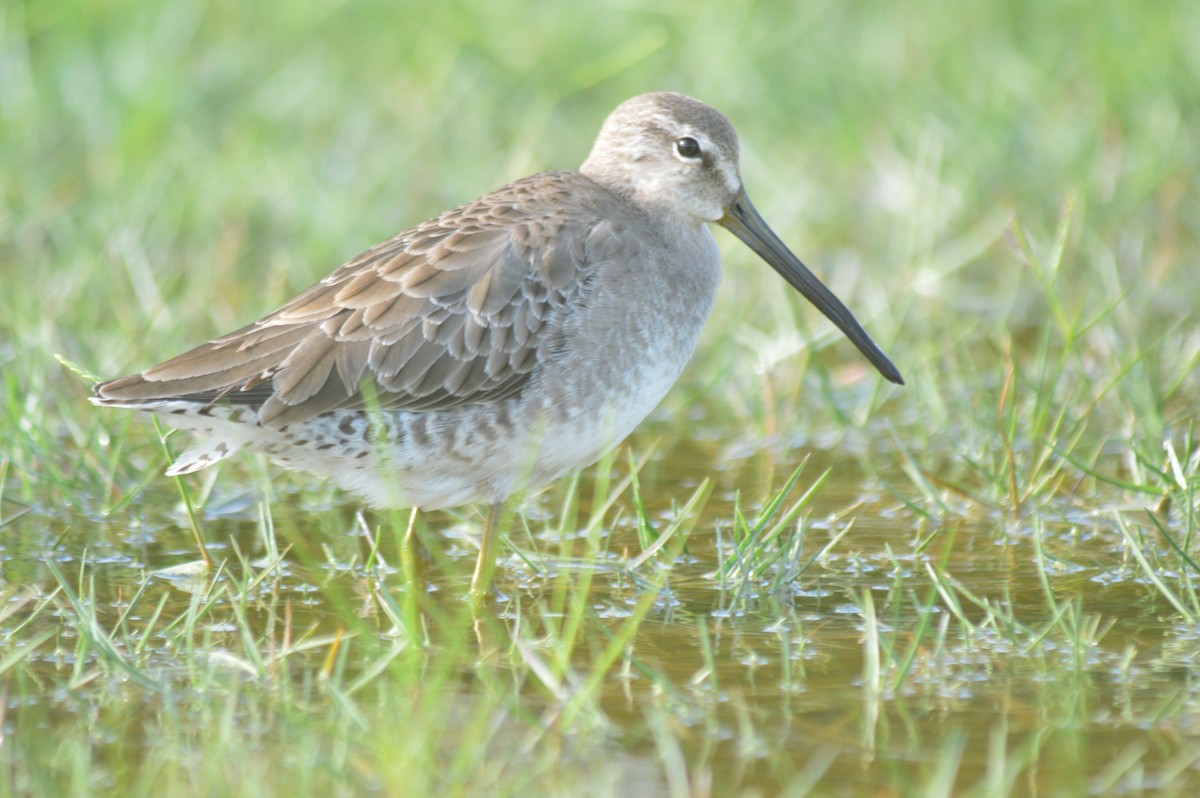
(687, 147)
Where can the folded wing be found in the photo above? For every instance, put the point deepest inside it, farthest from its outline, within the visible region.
(458, 310)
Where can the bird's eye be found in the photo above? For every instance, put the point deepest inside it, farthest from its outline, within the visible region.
(687, 147)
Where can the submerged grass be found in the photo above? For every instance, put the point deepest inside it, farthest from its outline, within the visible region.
(794, 580)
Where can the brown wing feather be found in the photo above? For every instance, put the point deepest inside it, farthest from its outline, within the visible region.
(454, 311)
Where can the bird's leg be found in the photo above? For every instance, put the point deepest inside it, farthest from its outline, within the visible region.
(414, 556)
(414, 564)
(485, 566)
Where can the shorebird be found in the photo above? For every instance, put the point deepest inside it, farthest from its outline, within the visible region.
(499, 345)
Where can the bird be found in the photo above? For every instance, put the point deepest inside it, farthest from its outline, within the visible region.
(499, 345)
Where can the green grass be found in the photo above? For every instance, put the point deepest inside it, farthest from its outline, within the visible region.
(793, 579)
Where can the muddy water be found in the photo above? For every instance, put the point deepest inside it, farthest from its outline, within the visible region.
(1039, 654)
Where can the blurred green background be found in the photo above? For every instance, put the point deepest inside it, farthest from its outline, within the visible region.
(171, 170)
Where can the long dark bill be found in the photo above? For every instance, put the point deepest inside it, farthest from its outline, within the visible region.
(744, 222)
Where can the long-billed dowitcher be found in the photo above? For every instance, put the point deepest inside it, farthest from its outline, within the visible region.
(498, 345)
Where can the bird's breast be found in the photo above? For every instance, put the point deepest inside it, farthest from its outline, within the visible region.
(627, 342)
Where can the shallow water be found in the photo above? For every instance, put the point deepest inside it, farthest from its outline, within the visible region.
(978, 649)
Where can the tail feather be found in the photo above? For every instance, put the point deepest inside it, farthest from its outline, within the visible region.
(201, 455)
(223, 429)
